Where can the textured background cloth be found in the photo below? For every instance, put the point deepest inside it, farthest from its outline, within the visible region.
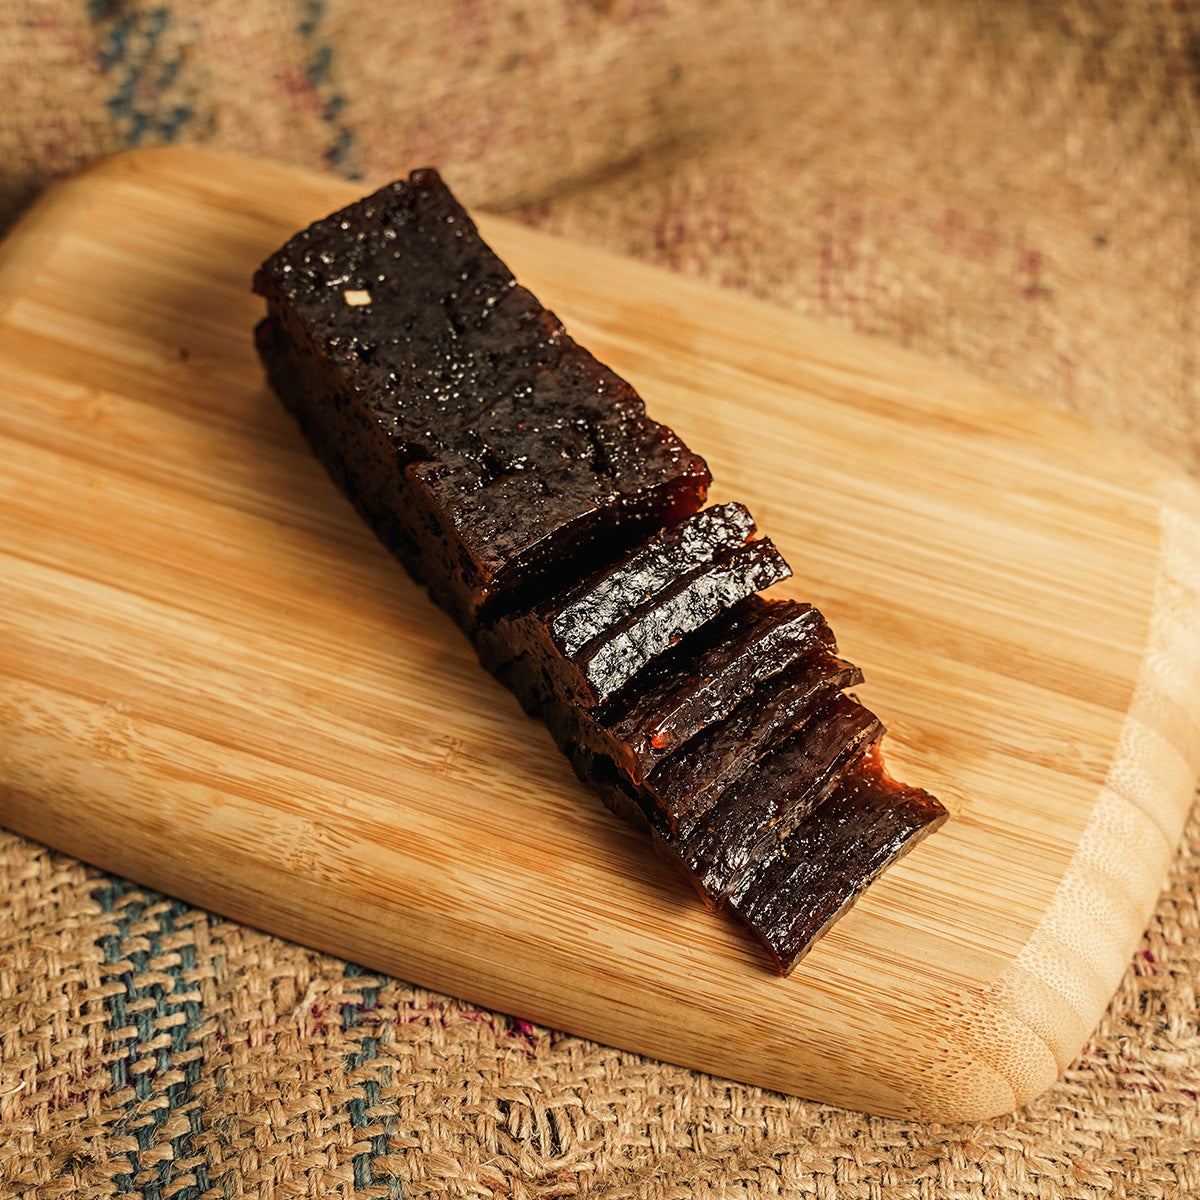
(1009, 188)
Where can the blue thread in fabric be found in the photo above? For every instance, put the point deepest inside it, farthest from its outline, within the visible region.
(360, 1107)
(318, 72)
(317, 69)
(144, 1003)
(313, 11)
(133, 51)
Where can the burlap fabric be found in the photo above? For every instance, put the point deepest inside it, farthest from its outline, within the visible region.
(1011, 188)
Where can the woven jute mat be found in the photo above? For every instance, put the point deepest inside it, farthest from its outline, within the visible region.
(1009, 188)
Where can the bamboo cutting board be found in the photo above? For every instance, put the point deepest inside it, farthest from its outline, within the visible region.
(214, 681)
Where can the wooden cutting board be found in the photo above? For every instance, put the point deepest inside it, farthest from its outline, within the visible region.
(214, 681)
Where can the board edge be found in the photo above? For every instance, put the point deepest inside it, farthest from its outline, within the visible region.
(1028, 1025)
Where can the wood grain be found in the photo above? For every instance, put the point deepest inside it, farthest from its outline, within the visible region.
(213, 680)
